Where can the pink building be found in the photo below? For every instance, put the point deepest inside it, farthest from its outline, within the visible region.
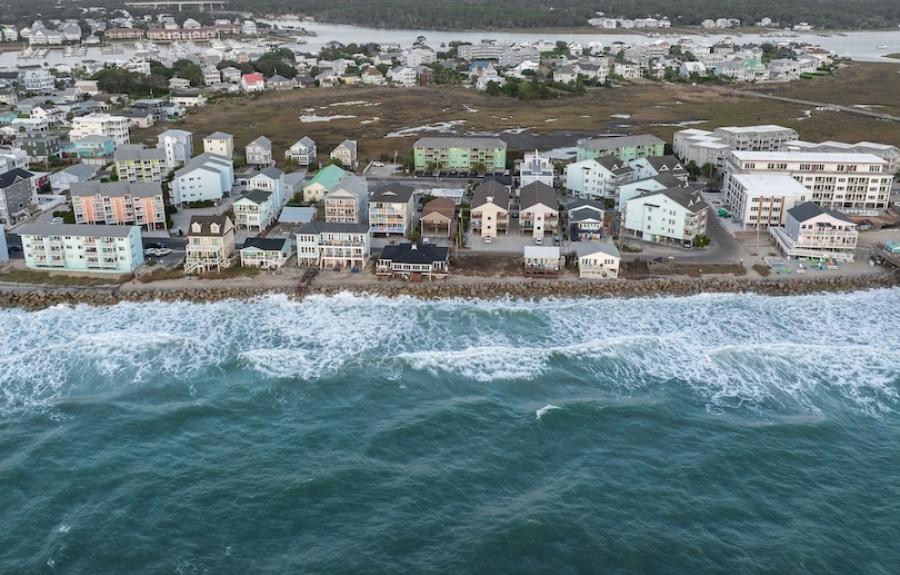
(119, 204)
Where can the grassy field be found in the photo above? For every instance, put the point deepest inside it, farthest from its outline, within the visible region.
(653, 108)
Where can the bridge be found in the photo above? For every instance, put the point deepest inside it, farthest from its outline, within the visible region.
(157, 4)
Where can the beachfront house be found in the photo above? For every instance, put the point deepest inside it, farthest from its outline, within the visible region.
(265, 253)
(816, 232)
(673, 215)
(17, 195)
(205, 178)
(597, 260)
(327, 245)
(413, 261)
(541, 261)
(210, 244)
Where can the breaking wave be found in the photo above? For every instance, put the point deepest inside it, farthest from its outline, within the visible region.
(727, 351)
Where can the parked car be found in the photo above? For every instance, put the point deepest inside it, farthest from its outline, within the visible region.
(57, 220)
(154, 245)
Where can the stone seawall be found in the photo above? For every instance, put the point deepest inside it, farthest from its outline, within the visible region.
(33, 298)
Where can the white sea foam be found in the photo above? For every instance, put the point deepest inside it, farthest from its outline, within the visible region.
(729, 351)
(542, 411)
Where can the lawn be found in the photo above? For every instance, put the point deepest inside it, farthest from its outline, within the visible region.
(376, 112)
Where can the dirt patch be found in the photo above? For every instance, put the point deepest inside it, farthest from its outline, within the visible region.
(486, 265)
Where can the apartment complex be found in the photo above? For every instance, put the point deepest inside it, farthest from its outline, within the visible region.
(848, 182)
(712, 147)
(82, 248)
(671, 215)
(762, 200)
(623, 147)
(816, 232)
(456, 154)
(135, 163)
(119, 204)
(890, 154)
(332, 245)
(391, 210)
(116, 128)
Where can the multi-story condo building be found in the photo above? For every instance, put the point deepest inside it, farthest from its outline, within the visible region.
(119, 204)
(538, 210)
(490, 209)
(671, 215)
(205, 178)
(623, 147)
(458, 154)
(536, 168)
(82, 248)
(890, 154)
(210, 244)
(259, 152)
(219, 144)
(17, 195)
(347, 202)
(178, 145)
(597, 178)
(36, 79)
(849, 182)
(704, 147)
(391, 210)
(329, 245)
(115, 127)
(303, 151)
(135, 163)
(762, 200)
(813, 231)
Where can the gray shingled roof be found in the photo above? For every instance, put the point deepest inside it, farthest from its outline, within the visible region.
(120, 188)
(333, 227)
(494, 189)
(82, 230)
(538, 193)
(396, 193)
(807, 210)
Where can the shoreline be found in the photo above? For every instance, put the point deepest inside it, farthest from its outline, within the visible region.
(33, 298)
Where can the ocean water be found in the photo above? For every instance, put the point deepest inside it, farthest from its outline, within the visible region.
(711, 434)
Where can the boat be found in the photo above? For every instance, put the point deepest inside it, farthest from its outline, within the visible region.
(882, 46)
